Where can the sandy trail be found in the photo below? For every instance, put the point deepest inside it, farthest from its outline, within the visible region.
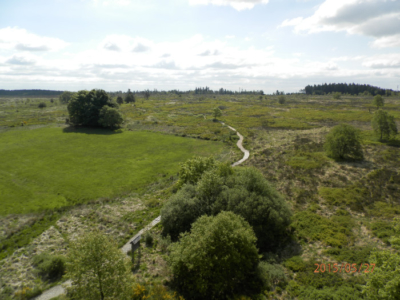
(59, 289)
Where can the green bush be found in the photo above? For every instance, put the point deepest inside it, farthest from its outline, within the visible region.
(281, 99)
(344, 142)
(217, 259)
(49, 267)
(295, 264)
(42, 105)
(110, 117)
(271, 275)
(337, 95)
(383, 230)
(148, 239)
(335, 232)
(378, 101)
(352, 196)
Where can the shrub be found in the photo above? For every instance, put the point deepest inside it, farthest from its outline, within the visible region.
(110, 117)
(295, 264)
(337, 95)
(225, 262)
(271, 275)
(148, 239)
(42, 105)
(130, 97)
(281, 99)
(344, 142)
(49, 267)
(192, 170)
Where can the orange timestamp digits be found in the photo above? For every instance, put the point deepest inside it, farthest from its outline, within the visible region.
(348, 268)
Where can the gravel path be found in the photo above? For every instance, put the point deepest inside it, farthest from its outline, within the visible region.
(59, 289)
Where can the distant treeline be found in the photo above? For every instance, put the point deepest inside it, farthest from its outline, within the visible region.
(344, 88)
(29, 93)
(222, 91)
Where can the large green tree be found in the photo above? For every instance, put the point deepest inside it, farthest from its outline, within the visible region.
(216, 259)
(84, 107)
(384, 125)
(97, 268)
(344, 142)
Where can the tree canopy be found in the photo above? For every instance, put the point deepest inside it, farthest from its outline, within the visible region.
(97, 268)
(243, 191)
(344, 142)
(84, 107)
(216, 259)
(384, 125)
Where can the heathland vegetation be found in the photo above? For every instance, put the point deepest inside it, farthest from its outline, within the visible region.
(311, 215)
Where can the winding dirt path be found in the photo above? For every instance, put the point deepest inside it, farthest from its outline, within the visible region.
(60, 289)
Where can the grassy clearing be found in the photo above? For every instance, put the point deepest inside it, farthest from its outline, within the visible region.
(53, 167)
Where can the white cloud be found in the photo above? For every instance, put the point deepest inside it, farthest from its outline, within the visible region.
(236, 4)
(21, 60)
(383, 61)
(375, 18)
(22, 40)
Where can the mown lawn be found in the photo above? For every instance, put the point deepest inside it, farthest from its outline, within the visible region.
(53, 167)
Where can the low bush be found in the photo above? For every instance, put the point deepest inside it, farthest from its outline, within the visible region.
(335, 231)
(148, 239)
(49, 267)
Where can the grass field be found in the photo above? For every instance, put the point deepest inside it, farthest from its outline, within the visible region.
(53, 167)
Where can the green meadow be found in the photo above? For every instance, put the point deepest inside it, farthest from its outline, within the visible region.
(48, 168)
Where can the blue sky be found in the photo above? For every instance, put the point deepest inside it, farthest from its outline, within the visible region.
(183, 44)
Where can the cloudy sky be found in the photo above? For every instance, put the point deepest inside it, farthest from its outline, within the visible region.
(183, 44)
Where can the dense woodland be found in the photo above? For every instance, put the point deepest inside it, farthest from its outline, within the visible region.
(344, 88)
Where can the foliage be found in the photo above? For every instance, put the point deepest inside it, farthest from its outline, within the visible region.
(217, 113)
(28, 183)
(48, 266)
(84, 107)
(307, 160)
(378, 101)
(281, 99)
(245, 192)
(344, 142)
(383, 230)
(295, 263)
(97, 268)
(146, 94)
(130, 97)
(156, 292)
(148, 239)
(337, 95)
(384, 281)
(225, 257)
(65, 97)
(351, 196)
(42, 105)
(110, 117)
(251, 196)
(192, 170)
(271, 275)
(120, 100)
(384, 124)
(335, 231)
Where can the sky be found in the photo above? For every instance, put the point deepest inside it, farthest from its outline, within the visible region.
(266, 45)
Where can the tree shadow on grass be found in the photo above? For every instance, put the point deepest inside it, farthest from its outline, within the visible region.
(91, 130)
